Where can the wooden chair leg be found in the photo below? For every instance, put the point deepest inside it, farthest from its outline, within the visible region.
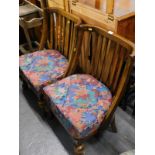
(41, 104)
(78, 148)
(24, 85)
(113, 124)
(48, 112)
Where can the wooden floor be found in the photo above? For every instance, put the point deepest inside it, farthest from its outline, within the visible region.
(39, 136)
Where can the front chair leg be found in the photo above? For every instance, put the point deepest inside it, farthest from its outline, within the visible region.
(46, 112)
(41, 104)
(24, 85)
(78, 148)
(113, 124)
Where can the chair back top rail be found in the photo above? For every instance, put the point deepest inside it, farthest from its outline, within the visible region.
(109, 34)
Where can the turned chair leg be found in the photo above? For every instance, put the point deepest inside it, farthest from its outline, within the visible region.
(78, 148)
(113, 124)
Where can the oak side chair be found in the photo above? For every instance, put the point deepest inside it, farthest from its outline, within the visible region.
(85, 103)
(43, 67)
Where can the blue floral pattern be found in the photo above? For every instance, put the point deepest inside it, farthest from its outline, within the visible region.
(43, 67)
(80, 102)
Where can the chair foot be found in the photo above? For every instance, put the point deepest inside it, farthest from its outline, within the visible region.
(79, 148)
(113, 125)
(98, 134)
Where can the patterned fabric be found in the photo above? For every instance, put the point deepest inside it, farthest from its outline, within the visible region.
(80, 102)
(43, 67)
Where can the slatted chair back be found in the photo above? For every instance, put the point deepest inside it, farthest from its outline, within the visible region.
(106, 56)
(60, 30)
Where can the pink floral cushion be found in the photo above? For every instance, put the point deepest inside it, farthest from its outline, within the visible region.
(43, 67)
(80, 102)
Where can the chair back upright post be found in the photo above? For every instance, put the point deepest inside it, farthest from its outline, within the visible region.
(45, 25)
(106, 56)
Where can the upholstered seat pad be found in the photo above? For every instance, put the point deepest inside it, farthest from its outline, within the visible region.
(80, 102)
(43, 67)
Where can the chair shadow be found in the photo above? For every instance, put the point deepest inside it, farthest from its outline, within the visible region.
(64, 138)
(53, 123)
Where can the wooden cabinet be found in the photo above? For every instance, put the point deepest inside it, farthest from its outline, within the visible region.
(122, 21)
(63, 4)
(96, 12)
(126, 28)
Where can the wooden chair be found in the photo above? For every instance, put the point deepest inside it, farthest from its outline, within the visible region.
(43, 67)
(85, 103)
(30, 16)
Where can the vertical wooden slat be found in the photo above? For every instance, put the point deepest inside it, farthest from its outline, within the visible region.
(97, 55)
(94, 42)
(87, 52)
(73, 62)
(80, 56)
(105, 61)
(118, 68)
(121, 87)
(83, 64)
(67, 35)
(102, 57)
(63, 32)
(71, 38)
(109, 57)
(74, 42)
(113, 65)
(56, 31)
(51, 42)
(59, 31)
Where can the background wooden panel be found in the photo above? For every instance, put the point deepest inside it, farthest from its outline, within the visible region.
(126, 28)
(122, 21)
(94, 12)
(121, 7)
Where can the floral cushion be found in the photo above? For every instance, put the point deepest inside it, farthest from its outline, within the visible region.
(80, 102)
(43, 67)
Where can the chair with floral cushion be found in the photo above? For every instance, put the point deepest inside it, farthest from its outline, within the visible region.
(43, 67)
(85, 102)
